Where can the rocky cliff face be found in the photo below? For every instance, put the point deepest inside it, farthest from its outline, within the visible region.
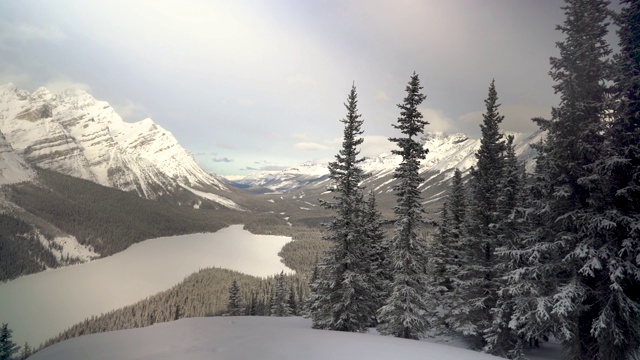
(75, 134)
(13, 168)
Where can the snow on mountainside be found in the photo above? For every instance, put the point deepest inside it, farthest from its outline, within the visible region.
(446, 152)
(75, 134)
(291, 178)
(13, 169)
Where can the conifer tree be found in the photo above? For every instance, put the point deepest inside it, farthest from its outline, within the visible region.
(252, 309)
(311, 303)
(560, 278)
(478, 280)
(26, 351)
(177, 312)
(293, 303)
(445, 250)
(407, 312)
(500, 339)
(7, 346)
(530, 282)
(280, 300)
(612, 231)
(378, 252)
(234, 306)
(342, 296)
(511, 183)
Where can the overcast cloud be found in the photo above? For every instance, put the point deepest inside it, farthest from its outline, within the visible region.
(265, 81)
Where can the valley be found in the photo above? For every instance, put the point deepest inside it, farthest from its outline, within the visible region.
(39, 306)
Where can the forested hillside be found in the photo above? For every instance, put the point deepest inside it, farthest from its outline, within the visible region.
(205, 293)
(20, 250)
(105, 219)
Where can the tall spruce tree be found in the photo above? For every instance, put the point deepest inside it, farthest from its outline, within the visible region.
(478, 280)
(612, 230)
(408, 312)
(530, 279)
(561, 274)
(378, 254)
(234, 306)
(7, 347)
(280, 305)
(500, 338)
(343, 296)
(445, 250)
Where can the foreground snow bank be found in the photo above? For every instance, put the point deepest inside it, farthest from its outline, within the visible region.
(39, 306)
(229, 338)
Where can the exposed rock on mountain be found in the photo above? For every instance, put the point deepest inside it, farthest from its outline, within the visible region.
(13, 169)
(75, 134)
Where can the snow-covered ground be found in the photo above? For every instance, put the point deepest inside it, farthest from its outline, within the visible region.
(39, 306)
(70, 248)
(230, 338)
(216, 198)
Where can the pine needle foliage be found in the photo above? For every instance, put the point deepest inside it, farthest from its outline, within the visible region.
(343, 294)
(7, 347)
(568, 256)
(407, 312)
(445, 251)
(478, 279)
(234, 307)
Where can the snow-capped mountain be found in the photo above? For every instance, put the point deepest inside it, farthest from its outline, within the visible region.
(73, 133)
(292, 178)
(446, 152)
(13, 169)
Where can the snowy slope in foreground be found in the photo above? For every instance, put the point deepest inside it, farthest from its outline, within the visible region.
(39, 306)
(242, 338)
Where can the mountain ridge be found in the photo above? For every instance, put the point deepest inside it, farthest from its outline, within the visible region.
(73, 133)
(446, 152)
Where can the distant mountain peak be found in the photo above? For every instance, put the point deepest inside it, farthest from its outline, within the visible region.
(76, 134)
(446, 152)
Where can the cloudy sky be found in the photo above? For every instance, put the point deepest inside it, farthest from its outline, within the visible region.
(250, 85)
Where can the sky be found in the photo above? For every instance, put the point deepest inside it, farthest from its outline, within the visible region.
(249, 85)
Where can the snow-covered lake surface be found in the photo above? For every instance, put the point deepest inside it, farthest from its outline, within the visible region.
(231, 338)
(41, 305)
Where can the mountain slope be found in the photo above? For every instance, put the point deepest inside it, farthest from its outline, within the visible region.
(13, 168)
(75, 134)
(56, 220)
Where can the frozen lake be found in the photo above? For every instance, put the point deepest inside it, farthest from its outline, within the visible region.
(41, 305)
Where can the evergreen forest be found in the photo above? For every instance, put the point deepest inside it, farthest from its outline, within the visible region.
(519, 257)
